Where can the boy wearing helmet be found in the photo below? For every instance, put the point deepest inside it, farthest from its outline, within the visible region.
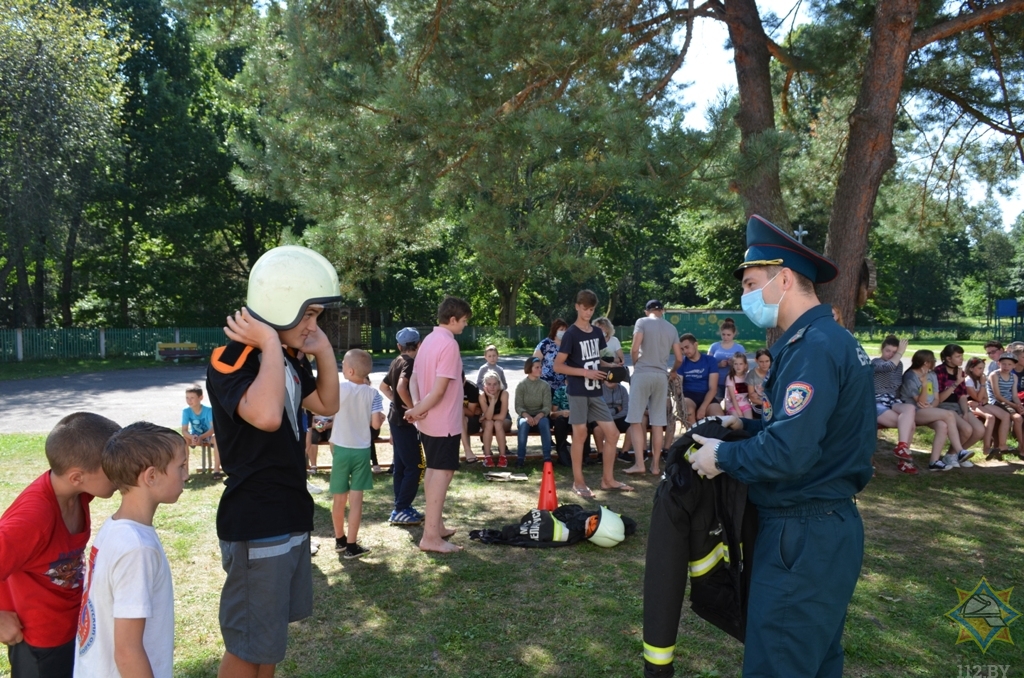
(258, 384)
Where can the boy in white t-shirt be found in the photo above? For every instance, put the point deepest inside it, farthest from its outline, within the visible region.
(361, 407)
(126, 626)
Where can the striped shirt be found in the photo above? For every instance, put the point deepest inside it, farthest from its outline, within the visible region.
(888, 378)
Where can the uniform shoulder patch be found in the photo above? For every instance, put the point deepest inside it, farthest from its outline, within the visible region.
(230, 358)
(798, 396)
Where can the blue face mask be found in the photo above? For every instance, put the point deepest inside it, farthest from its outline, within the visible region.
(761, 314)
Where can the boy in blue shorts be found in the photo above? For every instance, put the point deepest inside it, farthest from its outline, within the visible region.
(259, 384)
(197, 426)
(350, 472)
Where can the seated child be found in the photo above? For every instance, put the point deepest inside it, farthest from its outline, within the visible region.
(737, 400)
(197, 425)
(350, 472)
(494, 412)
(491, 356)
(43, 534)
(470, 417)
(319, 431)
(126, 627)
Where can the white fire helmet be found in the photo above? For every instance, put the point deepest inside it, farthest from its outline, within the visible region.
(285, 281)
(610, 529)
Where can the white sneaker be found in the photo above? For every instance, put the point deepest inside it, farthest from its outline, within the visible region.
(962, 458)
(313, 489)
(950, 461)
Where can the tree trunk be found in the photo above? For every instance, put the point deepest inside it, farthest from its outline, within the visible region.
(508, 294)
(869, 151)
(39, 294)
(760, 191)
(68, 268)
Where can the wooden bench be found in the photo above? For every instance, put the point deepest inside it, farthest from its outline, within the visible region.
(176, 351)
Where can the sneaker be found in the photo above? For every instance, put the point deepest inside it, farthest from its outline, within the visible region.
(407, 517)
(902, 451)
(394, 514)
(950, 460)
(340, 543)
(939, 465)
(355, 551)
(520, 463)
(313, 489)
(907, 467)
(502, 461)
(489, 461)
(963, 456)
(314, 547)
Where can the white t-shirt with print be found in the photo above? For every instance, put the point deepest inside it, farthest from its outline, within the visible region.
(128, 578)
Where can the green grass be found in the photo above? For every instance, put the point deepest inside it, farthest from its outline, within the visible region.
(498, 611)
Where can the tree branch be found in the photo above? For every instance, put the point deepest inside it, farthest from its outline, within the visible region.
(965, 22)
(977, 113)
(660, 85)
(707, 9)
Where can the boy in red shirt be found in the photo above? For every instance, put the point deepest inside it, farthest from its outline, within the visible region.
(42, 539)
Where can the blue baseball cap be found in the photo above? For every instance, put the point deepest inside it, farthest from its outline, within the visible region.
(769, 245)
(407, 335)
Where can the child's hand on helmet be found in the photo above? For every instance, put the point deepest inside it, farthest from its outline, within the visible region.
(245, 328)
(317, 343)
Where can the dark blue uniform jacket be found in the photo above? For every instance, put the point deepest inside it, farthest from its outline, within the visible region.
(817, 434)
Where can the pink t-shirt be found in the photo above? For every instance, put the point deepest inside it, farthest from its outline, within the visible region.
(439, 356)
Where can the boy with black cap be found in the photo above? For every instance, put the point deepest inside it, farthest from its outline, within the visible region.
(409, 464)
(811, 453)
(258, 385)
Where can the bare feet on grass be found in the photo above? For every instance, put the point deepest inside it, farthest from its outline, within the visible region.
(439, 546)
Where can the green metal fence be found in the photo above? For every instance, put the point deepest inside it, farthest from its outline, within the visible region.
(77, 343)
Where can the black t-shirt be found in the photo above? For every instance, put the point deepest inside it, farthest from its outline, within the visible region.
(470, 393)
(583, 350)
(266, 493)
(400, 367)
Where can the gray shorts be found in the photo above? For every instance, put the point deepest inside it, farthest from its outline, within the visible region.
(583, 410)
(269, 584)
(648, 391)
(952, 407)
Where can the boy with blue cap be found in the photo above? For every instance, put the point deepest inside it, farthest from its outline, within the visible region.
(811, 453)
(409, 463)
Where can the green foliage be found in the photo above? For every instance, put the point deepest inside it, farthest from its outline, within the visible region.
(59, 97)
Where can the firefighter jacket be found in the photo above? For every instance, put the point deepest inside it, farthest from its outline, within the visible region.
(702, 528)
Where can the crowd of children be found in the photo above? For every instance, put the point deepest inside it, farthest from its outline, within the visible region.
(111, 611)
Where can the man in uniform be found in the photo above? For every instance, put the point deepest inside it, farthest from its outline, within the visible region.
(811, 453)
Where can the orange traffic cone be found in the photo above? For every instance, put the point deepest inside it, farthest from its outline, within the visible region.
(548, 500)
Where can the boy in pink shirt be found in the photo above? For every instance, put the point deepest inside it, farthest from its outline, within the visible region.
(438, 416)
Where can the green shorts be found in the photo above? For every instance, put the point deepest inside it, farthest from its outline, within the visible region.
(350, 470)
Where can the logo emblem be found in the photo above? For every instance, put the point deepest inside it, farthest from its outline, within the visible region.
(766, 409)
(798, 395)
(984, 615)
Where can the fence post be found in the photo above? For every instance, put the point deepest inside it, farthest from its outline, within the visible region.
(103, 343)
(19, 345)
(177, 335)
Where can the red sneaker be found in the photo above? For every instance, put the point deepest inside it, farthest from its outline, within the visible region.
(907, 467)
(902, 451)
(489, 461)
(502, 461)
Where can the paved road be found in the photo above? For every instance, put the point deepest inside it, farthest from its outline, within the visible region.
(151, 394)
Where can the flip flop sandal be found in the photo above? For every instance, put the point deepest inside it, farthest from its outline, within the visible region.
(470, 461)
(582, 492)
(621, 487)
(630, 472)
